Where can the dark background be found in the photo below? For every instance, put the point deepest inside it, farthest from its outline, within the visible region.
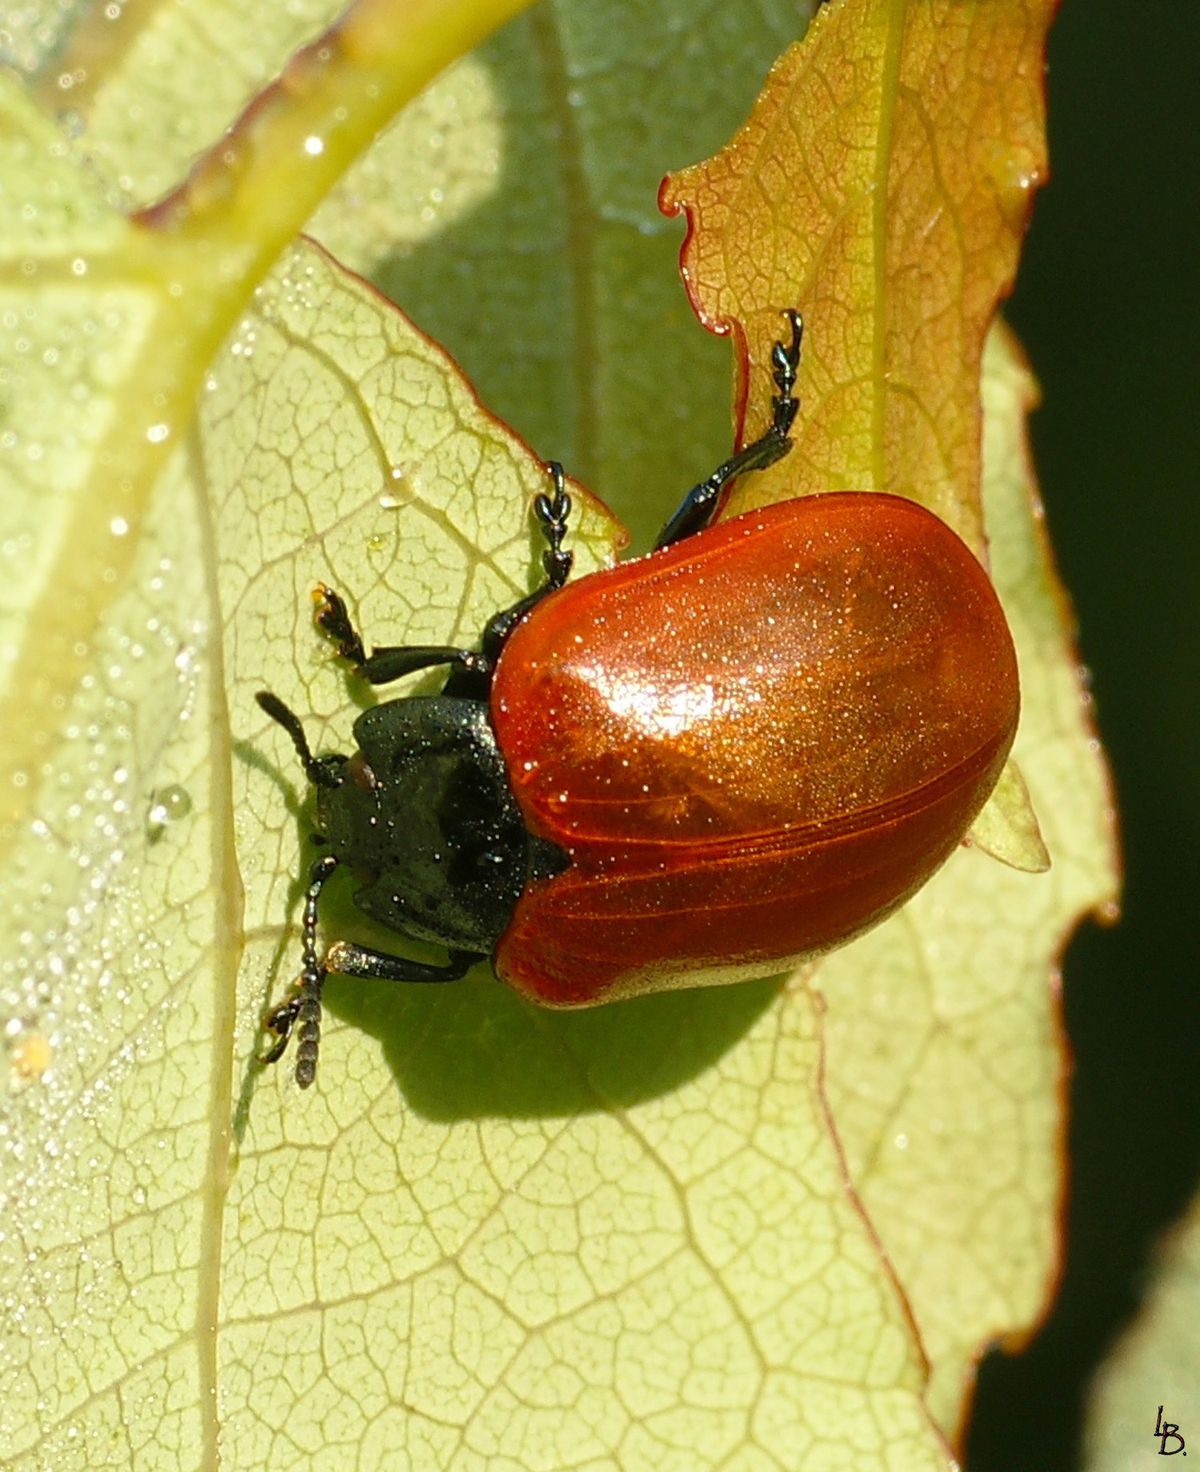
(1106, 306)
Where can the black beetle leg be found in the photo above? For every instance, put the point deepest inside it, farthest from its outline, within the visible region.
(471, 670)
(301, 1012)
(395, 660)
(698, 507)
(348, 959)
(552, 511)
(391, 661)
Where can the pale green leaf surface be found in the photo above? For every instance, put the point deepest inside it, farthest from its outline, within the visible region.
(119, 79)
(1007, 829)
(490, 1237)
(537, 1238)
(1155, 1362)
(64, 358)
(946, 1069)
(550, 271)
(544, 1211)
(156, 296)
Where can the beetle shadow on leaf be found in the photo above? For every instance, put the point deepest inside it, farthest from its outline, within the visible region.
(299, 808)
(474, 1049)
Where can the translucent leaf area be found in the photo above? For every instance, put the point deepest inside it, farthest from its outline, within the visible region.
(765, 1226)
(946, 1065)
(1148, 1381)
(884, 180)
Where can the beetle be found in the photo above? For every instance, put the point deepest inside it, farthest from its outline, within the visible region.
(698, 766)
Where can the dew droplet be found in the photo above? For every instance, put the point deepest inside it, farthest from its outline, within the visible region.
(167, 805)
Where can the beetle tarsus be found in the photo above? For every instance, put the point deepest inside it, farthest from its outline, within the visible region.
(785, 364)
(699, 506)
(552, 513)
(332, 617)
(280, 1021)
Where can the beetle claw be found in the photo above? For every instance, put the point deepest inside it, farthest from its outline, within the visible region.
(280, 1020)
(332, 617)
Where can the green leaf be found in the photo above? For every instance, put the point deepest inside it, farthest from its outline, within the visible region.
(1007, 828)
(607, 1258)
(1154, 1363)
(946, 1062)
(490, 1236)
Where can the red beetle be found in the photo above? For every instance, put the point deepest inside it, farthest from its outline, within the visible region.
(695, 767)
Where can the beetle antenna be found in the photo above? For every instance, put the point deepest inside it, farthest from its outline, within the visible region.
(312, 979)
(301, 1013)
(316, 770)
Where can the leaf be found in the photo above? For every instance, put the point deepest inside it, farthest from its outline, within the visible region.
(602, 1310)
(946, 1061)
(490, 1236)
(167, 288)
(882, 184)
(534, 166)
(1154, 1364)
(121, 76)
(1007, 828)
